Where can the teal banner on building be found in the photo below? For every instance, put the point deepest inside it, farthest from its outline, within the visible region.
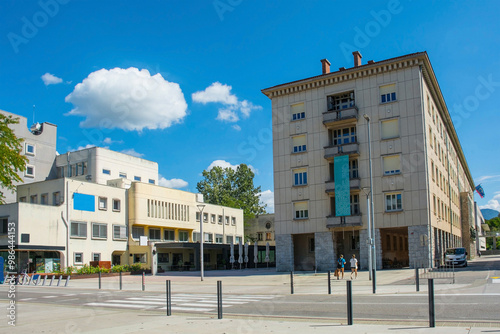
(342, 188)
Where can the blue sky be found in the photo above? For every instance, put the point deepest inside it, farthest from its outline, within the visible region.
(178, 82)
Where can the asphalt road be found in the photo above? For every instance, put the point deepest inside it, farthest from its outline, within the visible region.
(476, 300)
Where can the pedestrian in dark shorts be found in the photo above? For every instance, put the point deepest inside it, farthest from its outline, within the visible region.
(340, 267)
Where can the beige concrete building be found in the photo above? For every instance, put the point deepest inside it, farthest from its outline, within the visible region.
(261, 230)
(39, 146)
(66, 222)
(420, 173)
(165, 229)
(99, 165)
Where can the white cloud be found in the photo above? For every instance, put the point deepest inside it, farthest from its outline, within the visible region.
(488, 177)
(50, 79)
(267, 197)
(132, 152)
(128, 99)
(219, 93)
(83, 147)
(493, 204)
(110, 141)
(172, 183)
(224, 164)
(236, 127)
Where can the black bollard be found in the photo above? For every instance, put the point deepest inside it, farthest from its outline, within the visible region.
(329, 283)
(417, 279)
(99, 280)
(432, 316)
(219, 299)
(120, 280)
(291, 282)
(374, 281)
(169, 299)
(349, 302)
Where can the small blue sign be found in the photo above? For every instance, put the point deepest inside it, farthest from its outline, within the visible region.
(83, 202)
(342, 187)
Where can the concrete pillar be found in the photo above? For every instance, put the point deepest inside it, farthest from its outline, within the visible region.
(418, 245)
(324, 253)
(378, 248)
(363, 249)
(284, 252)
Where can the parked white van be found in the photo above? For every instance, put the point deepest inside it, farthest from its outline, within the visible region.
(456, 257)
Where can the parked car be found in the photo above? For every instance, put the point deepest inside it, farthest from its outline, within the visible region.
(456, 256)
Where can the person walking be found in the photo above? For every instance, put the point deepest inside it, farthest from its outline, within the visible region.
(340, 266)
(354, 266)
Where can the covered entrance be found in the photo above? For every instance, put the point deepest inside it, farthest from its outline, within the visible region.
(394, 247)
(347, 244)
(303, 252)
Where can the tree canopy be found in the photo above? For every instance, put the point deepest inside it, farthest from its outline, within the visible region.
(11, 160)
(232, 188)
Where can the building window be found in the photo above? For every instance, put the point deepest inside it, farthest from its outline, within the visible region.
(154, 234)
(340, 101)
(353, 169)
(103, 203)
(106, 171)
(219, 218)
(96, 257)
(116, 205)
(260, 236)
(301, 210)
(212, 219)
(22, 199)
(56, 198)
(392, 164)
(44, 199)
(299, 144)
(233, 221)
(151, 181)
(311, 245)
(218, 238)
(163, 258)
(226, 220)
(196, 236)
(389, 128)
(432, 169)
(137, 178)
(137, 232)
(30, 171)
(78, 258)
(354, 203)
(99, 231)
(237, 239)
(300, 177)
(79, 229)
(268, 236)
(30, 149)
(140, 258)
(343, 136)
(297, 111)
(169, 235)
(393, 202)
(119, 232)
(4, 224)
(197, 216)
(388, 93)
(122, 175)
(229, 239)
(205, 217)
(183, 236)
(208, 237)
(34, 199)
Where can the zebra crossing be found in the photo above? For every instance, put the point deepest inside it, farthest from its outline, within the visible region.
(180, 302)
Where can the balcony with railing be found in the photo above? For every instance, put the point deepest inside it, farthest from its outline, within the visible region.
(333, 221)
(333, 150)
(338, 117)
(354, 184)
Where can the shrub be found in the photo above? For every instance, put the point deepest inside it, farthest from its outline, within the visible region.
(117, 269)
(135, 267)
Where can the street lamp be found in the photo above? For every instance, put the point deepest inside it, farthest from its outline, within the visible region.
(372, 218)
(201, 207)
(367, 192)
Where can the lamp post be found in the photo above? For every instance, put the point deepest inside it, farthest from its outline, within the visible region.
(372, 227)
(201, 207)
(367, 192)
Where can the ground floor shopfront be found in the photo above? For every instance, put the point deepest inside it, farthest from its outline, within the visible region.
(39, 260)
(398, 247)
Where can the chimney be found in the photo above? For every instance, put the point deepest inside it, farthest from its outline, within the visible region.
(357, 58)
(325, 66)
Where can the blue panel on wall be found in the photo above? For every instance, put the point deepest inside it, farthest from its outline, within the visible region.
(342, 187)
(83, 202)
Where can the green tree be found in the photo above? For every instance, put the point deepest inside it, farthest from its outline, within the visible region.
(232, 188)
(12, 162)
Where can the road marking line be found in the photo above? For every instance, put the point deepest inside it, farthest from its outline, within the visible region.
(25, 299)
(118, 305)
(49, 297)
(495, 280)
(70, 294)
(199, 309)
(214, 306)
(135, 302)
